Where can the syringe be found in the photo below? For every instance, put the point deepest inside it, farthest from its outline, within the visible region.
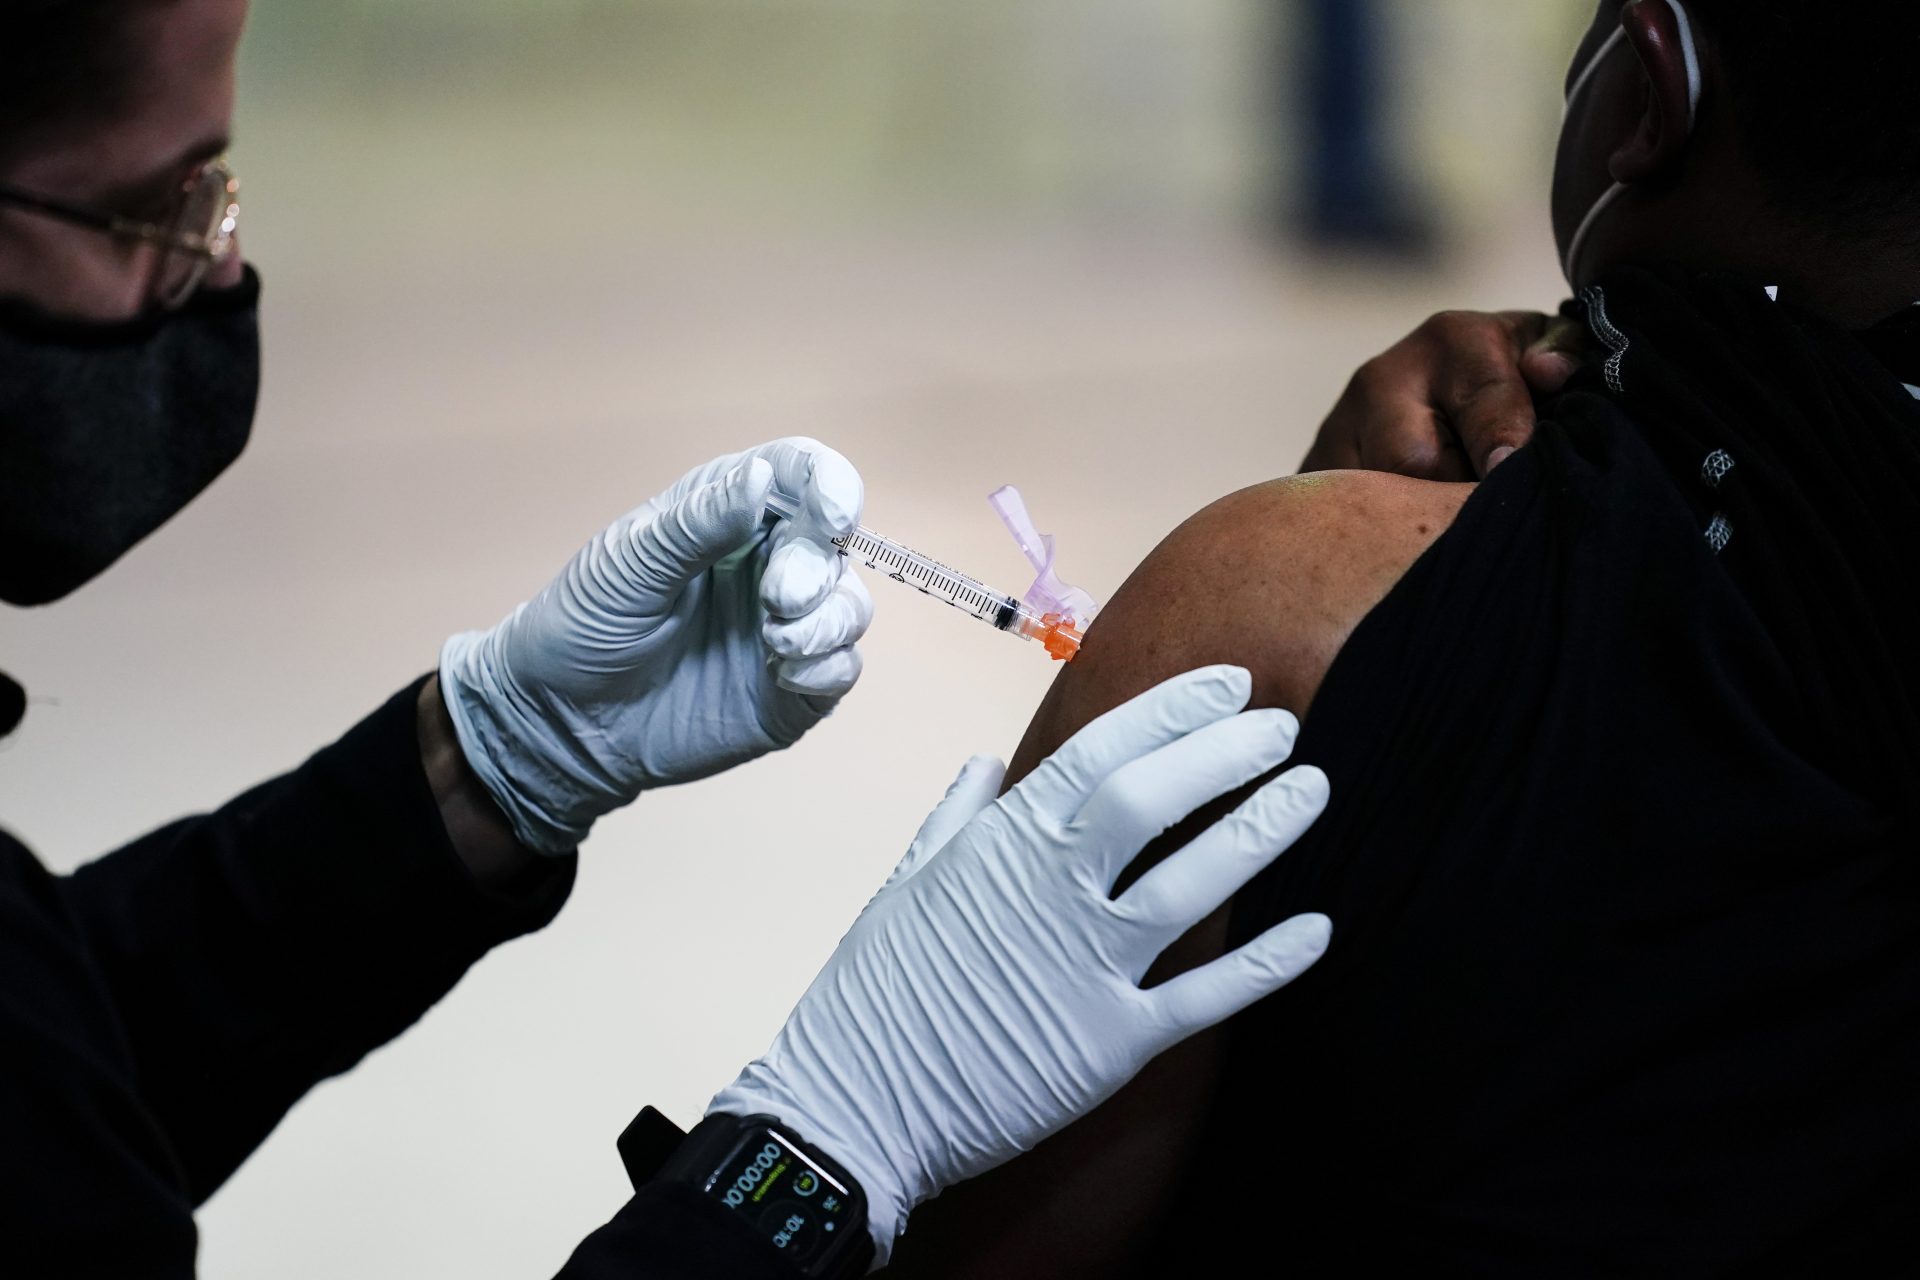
(1059, 633)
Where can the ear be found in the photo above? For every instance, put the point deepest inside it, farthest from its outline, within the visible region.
(1666, 118)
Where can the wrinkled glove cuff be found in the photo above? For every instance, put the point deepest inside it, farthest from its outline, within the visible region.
(493, 730)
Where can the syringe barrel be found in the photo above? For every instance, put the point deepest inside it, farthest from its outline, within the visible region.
(930, 577)
(904, 565)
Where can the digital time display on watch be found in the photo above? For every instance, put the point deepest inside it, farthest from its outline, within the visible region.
(788, 1198)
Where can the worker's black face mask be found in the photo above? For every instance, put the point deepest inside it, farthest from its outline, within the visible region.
(106, 430)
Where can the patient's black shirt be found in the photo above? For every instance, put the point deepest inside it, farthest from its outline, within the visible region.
(1621, 855)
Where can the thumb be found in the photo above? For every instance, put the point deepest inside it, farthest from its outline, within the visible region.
(1489, 401)
(974, 790)
(701, 528)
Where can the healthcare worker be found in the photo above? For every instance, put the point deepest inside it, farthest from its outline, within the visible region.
(163, 1007)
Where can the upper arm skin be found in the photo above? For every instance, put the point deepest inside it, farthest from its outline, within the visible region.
(1273, 578)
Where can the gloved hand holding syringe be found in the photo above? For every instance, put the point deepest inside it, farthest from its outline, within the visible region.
(686, 638)
(1051, 612)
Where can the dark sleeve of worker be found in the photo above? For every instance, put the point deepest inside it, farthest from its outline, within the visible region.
(252, 952)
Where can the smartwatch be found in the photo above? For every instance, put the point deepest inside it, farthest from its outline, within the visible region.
(770, 1181)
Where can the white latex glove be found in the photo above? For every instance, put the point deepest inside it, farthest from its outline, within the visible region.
(685, 639)
(989, 994)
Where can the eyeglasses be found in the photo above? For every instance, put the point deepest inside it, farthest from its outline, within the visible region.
(196, 232)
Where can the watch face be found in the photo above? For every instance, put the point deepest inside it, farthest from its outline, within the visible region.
(790, 1200)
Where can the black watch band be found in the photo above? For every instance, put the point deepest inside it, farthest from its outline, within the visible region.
(777, 1187)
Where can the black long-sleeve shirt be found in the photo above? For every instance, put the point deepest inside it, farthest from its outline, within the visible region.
(1622, 845)
(163, 1007)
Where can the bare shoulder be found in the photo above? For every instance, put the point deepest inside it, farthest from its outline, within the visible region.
(1274, 578)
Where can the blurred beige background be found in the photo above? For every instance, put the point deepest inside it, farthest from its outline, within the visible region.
(527, 262)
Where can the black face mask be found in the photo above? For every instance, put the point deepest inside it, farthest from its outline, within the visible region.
(106, 430)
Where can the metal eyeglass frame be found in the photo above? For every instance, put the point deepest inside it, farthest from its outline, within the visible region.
(206, 246)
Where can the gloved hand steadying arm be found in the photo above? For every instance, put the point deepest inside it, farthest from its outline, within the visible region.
(989, 994)
(685, 639)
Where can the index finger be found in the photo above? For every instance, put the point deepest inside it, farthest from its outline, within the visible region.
(803, 564)
(1165, 713)
(1145, 797)
(826, 485)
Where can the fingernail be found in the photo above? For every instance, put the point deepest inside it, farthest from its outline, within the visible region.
(1311, 782)
(745, 477)
(1559, 366)
(835, 484)
(1237, 680)
(1499, 456)
(981, 764)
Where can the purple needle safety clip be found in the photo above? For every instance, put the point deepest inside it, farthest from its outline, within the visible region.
(1048, 595)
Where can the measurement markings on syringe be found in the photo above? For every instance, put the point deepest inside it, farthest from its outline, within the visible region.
(929, 577)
